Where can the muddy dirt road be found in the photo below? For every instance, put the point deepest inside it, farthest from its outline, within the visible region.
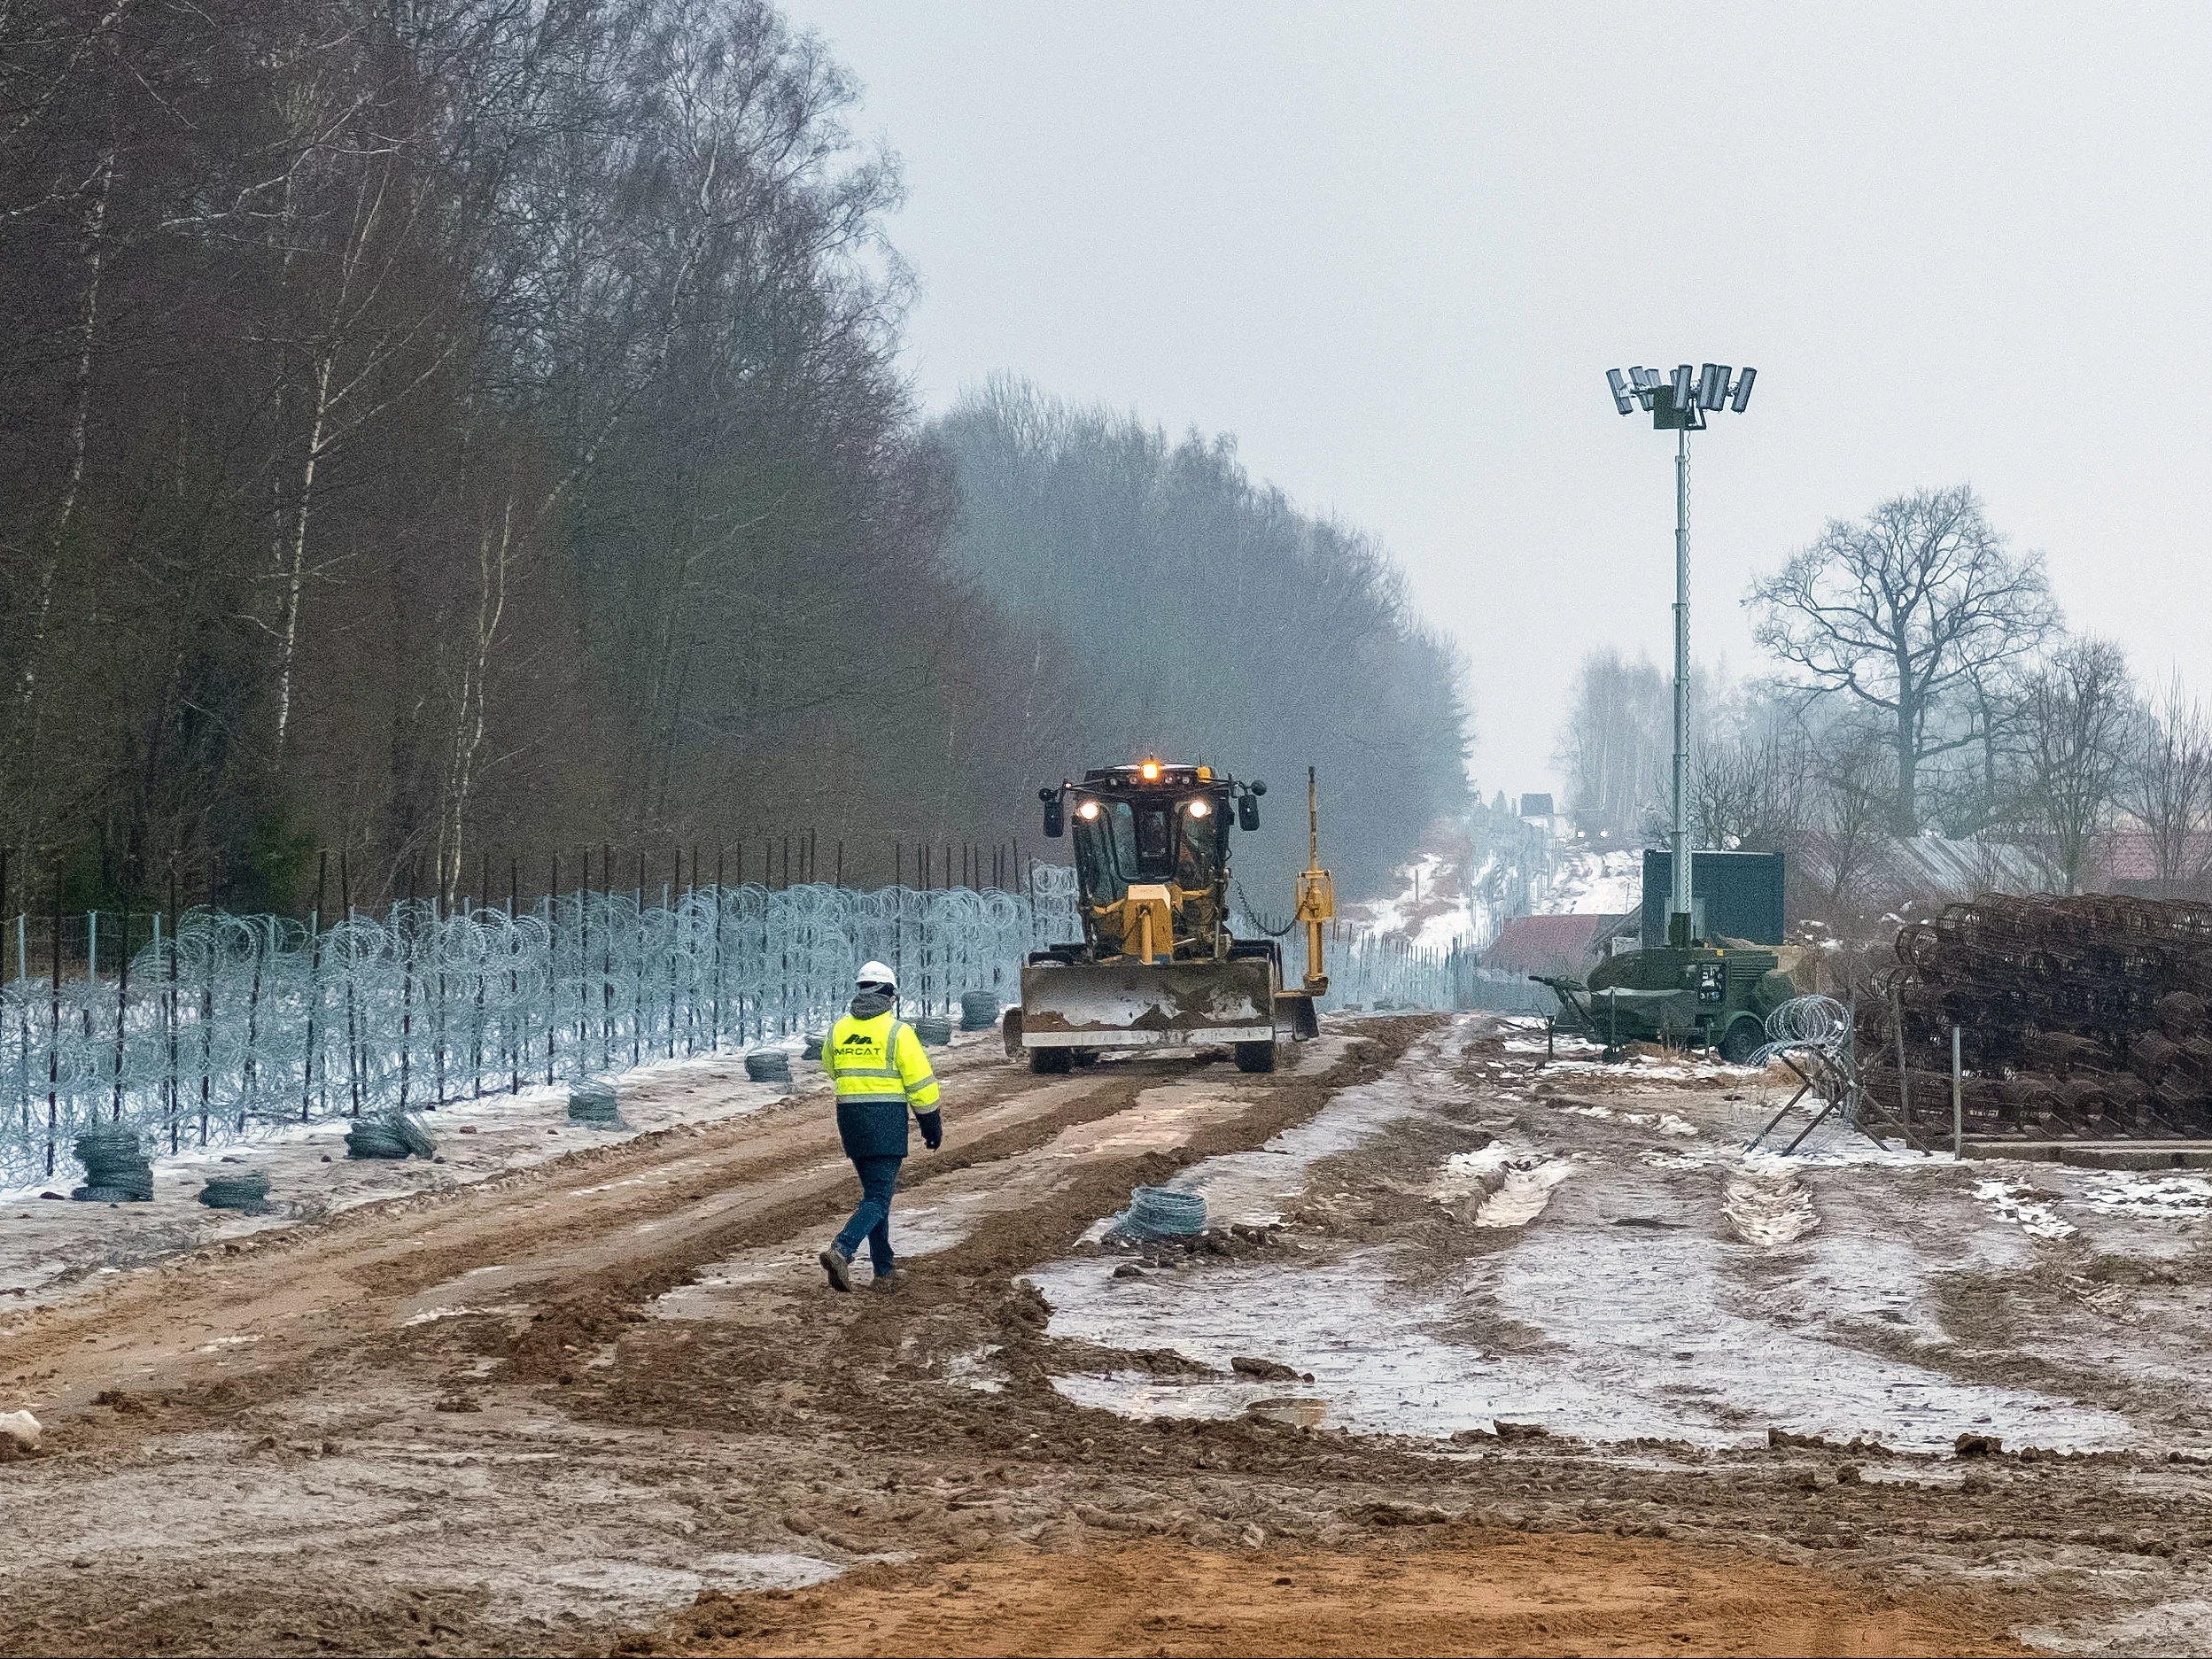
(1482, 1355)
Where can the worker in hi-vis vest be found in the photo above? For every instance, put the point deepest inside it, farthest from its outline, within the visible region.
(875, 1062)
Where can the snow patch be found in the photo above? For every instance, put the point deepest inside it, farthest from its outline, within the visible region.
(1590, 882)
(2168, 1198)
(2015, 1201)
(1521, 1197)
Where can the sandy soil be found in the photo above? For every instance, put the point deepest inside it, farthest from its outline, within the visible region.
(1466, 1592)
(605, 1400)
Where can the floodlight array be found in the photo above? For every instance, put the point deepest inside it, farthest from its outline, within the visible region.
(1706, 389)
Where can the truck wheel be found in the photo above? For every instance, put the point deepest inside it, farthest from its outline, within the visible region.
(1048, 1061)
(1254, 1057)
(1741, 1041)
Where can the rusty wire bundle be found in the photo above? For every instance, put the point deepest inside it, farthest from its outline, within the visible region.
(2076, 1016)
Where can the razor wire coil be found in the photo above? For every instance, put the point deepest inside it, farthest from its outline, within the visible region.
(232, 1026)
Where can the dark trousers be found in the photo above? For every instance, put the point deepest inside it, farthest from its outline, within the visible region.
(879, 1178)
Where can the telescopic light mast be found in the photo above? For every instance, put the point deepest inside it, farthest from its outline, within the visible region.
(1680, 405)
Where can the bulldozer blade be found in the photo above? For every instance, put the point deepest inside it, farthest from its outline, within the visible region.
(1128, 1005)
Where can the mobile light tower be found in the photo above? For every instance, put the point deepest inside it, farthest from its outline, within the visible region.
(1679, 406)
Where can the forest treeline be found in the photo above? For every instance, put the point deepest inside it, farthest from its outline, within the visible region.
(1177, 608)
(1921, 679)
(473, 428)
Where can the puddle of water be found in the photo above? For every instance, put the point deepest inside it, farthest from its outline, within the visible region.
(1639, 1347)
(1253, 1188)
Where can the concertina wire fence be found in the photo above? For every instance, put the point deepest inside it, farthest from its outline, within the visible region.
(233, 1025)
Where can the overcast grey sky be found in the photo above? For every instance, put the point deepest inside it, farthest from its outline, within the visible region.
(1393, 249)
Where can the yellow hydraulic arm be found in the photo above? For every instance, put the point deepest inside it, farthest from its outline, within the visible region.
(1316, 893)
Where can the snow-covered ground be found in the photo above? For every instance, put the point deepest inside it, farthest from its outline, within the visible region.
(1623, 1270)
(1428, 910)
(1429, 906)
(1594, 881)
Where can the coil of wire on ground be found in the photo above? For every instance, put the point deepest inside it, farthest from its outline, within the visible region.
(232, 1025)
(1164, 1212)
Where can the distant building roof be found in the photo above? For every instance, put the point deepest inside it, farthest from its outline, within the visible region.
(2132, 856)
(1959, 868)
(1535, 806)
(1548, 944)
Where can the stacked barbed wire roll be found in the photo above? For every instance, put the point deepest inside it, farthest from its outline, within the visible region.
(768, 1065)
(116, 1171)
(594, 1104)
(2076, 1016)
(390, 1134)
(1164, 1212)
(247, 1193)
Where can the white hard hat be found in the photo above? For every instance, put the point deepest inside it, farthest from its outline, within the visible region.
(875, 973)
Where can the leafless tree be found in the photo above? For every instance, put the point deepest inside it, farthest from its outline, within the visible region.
(2168, 784)
(1747, 790)
(2072, 753)
(1900, 612)
(1848, 831)
(1615, 743)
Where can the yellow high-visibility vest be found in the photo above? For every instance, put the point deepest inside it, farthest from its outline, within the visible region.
(879, 1060)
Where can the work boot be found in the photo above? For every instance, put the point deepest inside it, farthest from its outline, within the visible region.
(887, 1281)
(837, 1265)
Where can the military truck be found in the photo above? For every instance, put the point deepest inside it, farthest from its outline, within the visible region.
(1700, 996)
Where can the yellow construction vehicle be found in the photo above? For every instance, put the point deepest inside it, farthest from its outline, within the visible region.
(1158, 966)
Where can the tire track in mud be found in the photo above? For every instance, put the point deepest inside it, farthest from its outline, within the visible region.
(327, 1291)
(996, 1245)
(826, 1429)
(342, 1415)
(326, 1283)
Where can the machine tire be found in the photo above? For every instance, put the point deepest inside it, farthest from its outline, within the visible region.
(1083, 1056)
(1254, 1057)
(1048, 1062)
(1741, 1041)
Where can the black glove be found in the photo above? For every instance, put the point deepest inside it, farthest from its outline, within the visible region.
(932, 1128)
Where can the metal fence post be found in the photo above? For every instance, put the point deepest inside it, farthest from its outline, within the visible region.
(1958, 1101)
